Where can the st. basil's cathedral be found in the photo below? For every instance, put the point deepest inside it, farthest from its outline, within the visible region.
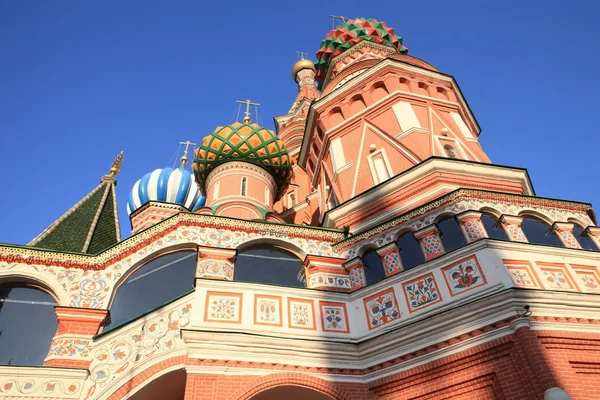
(366, 249)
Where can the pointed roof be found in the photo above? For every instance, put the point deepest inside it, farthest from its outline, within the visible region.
(91, 225)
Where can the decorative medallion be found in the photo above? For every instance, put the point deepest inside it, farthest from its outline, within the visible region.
(421, 292)
(223, 307)
(334, 317)
(267, 310)
(381, 308)
(463, 275)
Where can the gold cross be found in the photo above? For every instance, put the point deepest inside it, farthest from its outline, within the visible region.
(334, 17)
(301, 55)
(248, 103)
(184, 159)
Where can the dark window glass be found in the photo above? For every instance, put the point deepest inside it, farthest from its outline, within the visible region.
(27, 325)
(584, 240)
(243, 186)
(269, 265)
(410, 251)
(451, 233)
(373, 267)
(537, 231)
(154, 284)
(492, 227)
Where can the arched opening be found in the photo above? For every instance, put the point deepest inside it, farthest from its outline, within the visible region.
(290, 392)
(27, 324)
(170, 386)
(244, 185)
(493, 227)
(584, 240)
(411, 253)
(267, 264)
(451, 234)
(374, 271)
(156, 283)
(538, 231)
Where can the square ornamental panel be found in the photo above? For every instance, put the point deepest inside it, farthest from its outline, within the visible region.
(421, 292)
(301, 314)
(463, 275)
(589, 277)
(223, 307)
(267, 310)
(556, 276)
(381, 308)
(334, 317)
(522, 274)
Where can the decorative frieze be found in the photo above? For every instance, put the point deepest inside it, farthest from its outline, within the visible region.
(326, 273)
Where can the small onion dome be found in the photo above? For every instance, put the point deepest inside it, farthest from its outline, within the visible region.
(175, 186)
(350, 33)
(244, 142)
(300, 65)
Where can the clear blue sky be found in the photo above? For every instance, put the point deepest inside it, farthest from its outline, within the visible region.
(82, 80)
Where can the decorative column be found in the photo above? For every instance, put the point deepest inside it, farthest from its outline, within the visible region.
(594, 233)
(356, 271)
(470, 222)
(564, 230)
(72, 344)
(326, 273)
(390, 257)
(215, 263)
(431, 243)
(512, 227)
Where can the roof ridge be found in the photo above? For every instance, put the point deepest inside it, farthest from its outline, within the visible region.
(68, 213)
(90, 234)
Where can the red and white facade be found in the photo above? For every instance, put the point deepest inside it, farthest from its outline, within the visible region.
(388, 146)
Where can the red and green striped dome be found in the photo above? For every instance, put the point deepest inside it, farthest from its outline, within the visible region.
(244, 142)
(350, 33)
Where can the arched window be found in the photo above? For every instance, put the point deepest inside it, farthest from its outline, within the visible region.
(537, 231)
(451, 234)
(268, 264)
(244, 184)
(493, 227)
(27, 324)
(373, 267)
(450, 151)
(584, 240)
(156, 283)
(411, 253)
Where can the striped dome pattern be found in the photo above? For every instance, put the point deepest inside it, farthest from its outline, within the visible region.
(168, 185)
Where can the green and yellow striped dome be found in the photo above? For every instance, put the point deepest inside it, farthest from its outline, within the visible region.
(244, 142)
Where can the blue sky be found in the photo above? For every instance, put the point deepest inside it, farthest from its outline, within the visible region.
(81, 81)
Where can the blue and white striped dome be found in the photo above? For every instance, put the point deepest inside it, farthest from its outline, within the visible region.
(175, 186)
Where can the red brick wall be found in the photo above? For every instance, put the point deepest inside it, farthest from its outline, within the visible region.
(518, 366)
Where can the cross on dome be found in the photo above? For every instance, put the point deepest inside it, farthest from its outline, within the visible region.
(184, 158)
(248, 103)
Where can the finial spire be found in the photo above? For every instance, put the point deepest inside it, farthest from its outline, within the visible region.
(339, 17)
(184, 158)
(116, 165)
(248, 103)
(301, 55)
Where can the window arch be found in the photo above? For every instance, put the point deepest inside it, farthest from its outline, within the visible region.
(451, 234)
(244, 186)
(27, 324)
(450, 152)
(493, 227)
(268, 264)
(374, 271)
(538, 231)
(411, 253)
(154, 284)
(584, 240)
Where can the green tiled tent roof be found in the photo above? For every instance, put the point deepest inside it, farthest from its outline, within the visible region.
(90, 226)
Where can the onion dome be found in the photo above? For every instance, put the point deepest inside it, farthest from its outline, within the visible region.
(300, 65)
(168, 185)
(350, 33)
(248, 143)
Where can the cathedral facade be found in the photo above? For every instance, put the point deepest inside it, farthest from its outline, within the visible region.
(368, 249)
